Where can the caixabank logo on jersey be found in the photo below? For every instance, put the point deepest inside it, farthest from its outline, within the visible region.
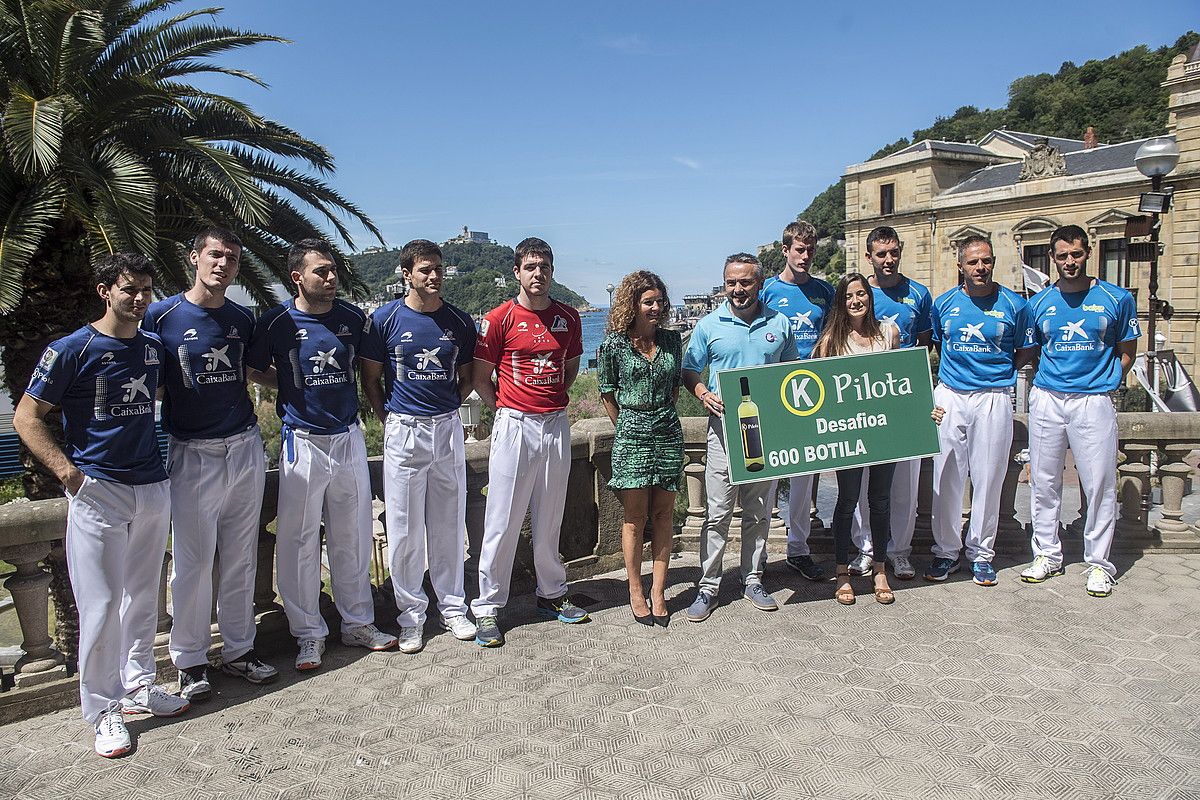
(828, 413)
(124, 397)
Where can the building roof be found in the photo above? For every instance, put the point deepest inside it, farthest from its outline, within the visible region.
(1027, 141)
(1080, 162)
(934, 145)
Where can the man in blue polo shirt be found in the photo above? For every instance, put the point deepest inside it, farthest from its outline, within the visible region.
(430, 349)
(217, 466)
(804, 300)
(105, 376)
(985, 336)
(1087, 330)
(314, 341)
(742, 332)
(899, 299)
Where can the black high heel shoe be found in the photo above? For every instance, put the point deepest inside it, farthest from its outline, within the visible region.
(646, 620)
(664, 620)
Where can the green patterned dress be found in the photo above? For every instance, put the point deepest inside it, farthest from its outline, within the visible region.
(648, 450)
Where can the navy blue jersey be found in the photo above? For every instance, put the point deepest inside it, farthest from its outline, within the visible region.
(907, 304)
(806, 305)
(204, 375)
(424, 352)
(313, 355)
(1079, 333)
(979, 338)
(106, 388)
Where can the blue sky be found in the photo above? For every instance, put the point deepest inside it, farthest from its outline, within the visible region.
(639, 134)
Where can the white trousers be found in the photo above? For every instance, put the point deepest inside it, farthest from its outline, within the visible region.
(528, 469)
(1088, 424)
(974, 438)
(757, 500)
(799, 521)
(905, 480)
(116, 538)
(216, 499)
(324, 478)
(425, 489)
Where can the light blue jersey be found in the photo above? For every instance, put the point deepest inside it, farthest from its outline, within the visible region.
(978, 338)
(806, 305)
(907, 304)
(721, 340)
(106, 388)
(1078, 333)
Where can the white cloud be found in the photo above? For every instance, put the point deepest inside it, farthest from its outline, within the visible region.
(690, 163)
(628, 43)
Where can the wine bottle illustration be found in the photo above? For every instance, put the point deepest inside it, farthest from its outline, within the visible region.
(752, 449)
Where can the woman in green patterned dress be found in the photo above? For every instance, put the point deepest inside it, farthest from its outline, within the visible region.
(639, 380)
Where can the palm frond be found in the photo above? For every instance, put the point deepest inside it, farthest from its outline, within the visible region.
(33, 132)
(30, 213)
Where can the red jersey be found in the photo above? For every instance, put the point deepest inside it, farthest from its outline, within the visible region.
(530, 350)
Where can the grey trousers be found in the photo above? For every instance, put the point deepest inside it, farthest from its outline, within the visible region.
(757, 500)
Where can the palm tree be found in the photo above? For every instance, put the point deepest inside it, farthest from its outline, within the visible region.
(107, 147)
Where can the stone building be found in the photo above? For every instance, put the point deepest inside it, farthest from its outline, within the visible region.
(1018, 187)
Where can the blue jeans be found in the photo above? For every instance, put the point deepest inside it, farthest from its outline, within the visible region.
(879, 488)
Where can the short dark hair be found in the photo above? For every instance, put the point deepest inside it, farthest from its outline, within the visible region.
(744, 258)
(532, 246)
(1068, 234)
(973, 239)
(109, 269)
(884, 233)
(417, 250)
(300, 249)
(800, 229)
(222, 235)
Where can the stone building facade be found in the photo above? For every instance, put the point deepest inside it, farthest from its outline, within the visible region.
(1016, 188)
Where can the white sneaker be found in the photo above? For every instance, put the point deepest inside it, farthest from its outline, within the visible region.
(902, 568)
(309, 656)
(368, 636)
(462, 628)
(410, 640)
(860, 564)
(112, 737)
(154, 700)
(1041, 569)
(1099, 582)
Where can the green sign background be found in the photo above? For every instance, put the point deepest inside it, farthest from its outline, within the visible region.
(830, 413)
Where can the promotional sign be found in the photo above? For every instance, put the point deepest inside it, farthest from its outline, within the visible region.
(810, 416)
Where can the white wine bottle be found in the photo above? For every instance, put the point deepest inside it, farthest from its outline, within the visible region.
(752, 449)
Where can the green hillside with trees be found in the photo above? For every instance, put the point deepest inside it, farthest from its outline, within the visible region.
(1119, 97)
(474, 289)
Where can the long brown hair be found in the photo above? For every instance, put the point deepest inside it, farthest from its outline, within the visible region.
(629, 294)
(836, 332)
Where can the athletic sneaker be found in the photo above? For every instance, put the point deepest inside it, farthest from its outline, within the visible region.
(702, 607)
(487, 631)
(806, 567)
(902, 568)
(759, 598)
(940, 568)
(112, 737)
(1041, 569)
(368, 636)
(983, 573)
(154, 700)
(861, 564)
(193, 683)
(410, 640)
(1099, 582)
(249, 666)
(562, 609)
(462, 628)
(310, 653)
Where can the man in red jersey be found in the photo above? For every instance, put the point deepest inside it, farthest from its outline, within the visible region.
(533, 345)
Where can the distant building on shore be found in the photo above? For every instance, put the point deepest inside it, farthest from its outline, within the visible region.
(470, 237)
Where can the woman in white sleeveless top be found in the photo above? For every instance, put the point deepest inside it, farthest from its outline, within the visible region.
(852, 328)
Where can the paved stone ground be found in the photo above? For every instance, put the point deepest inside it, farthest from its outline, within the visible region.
(957, 691)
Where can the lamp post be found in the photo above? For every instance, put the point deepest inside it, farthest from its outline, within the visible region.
(1155, 159)
(610, 289)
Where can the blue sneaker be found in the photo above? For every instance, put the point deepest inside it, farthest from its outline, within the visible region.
(939, 568)
(759, 598)
(487, 632)
(983, 573)
(702, 606)
(562, 609)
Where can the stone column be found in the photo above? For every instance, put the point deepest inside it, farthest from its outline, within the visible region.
(269, 614)
(1173, 473)
(163, 631)
(30, 589)
(693, 476)
(1133, 485)
(1009, 527)
(66, 616)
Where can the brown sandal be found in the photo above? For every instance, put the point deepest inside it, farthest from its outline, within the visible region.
(844, 593)
(884, 596)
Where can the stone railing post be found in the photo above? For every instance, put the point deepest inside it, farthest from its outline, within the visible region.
(66, 616)
(1173, 474)
(1008, 526)
(30, 589)
(1133, 485)
(693, 476)
(163, 631)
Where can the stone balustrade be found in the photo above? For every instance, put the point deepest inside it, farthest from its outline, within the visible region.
(31, 533)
